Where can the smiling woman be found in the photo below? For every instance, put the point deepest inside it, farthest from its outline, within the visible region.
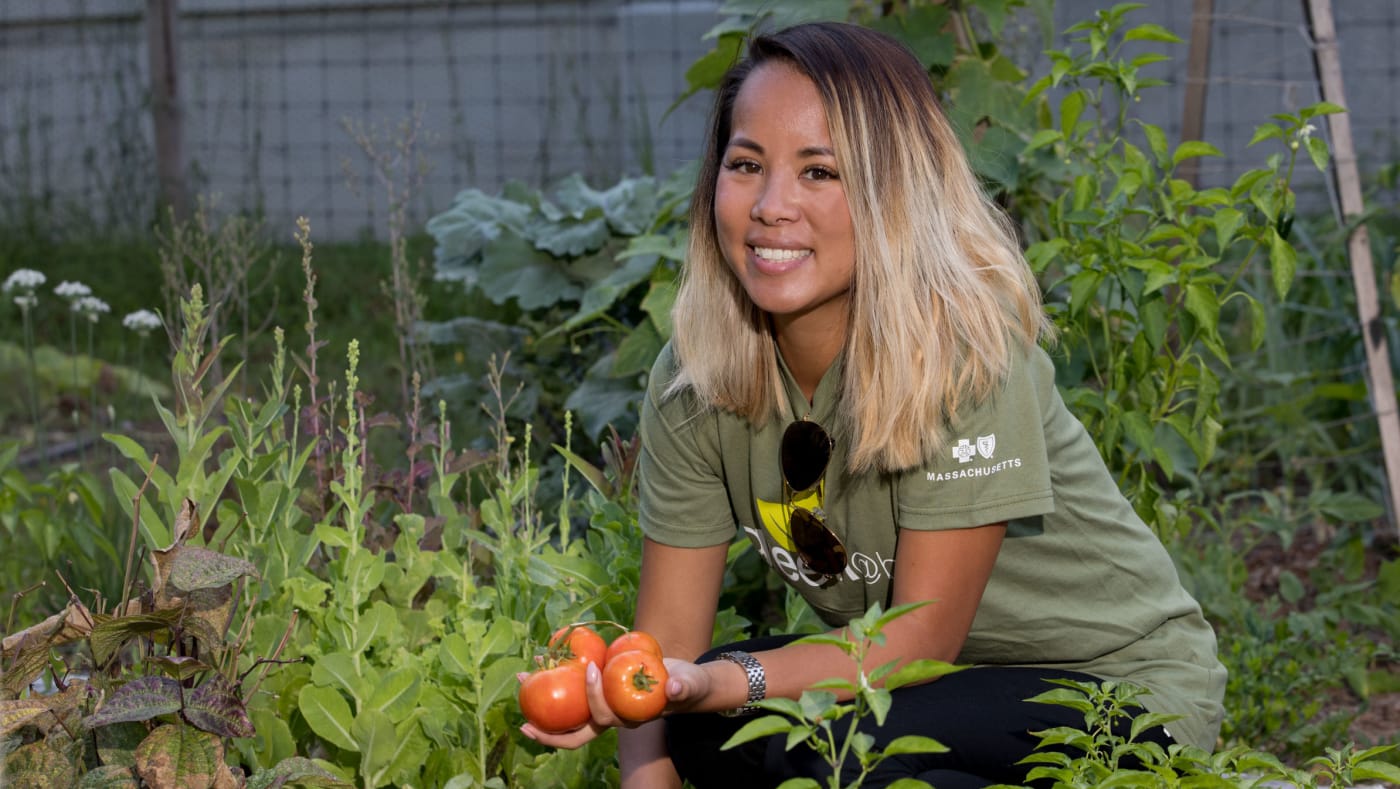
(855, 386)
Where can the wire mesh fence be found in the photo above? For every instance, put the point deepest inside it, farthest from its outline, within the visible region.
(504, 89)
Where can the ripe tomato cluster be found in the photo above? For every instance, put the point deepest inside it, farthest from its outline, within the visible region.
(555, 698)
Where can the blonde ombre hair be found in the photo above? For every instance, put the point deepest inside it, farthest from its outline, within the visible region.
(941, 299)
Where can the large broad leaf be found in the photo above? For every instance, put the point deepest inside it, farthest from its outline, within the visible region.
(180, 756)
(217, 707)
(474, 220)
(570, 239)
(513, 269)
(200, 568)
(138, 700)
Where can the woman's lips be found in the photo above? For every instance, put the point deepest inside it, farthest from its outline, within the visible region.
(777, 260)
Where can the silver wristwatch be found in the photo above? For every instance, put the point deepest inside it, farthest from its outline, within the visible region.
(758, 683)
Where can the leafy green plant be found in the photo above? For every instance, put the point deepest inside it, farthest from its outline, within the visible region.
(553, 262)
(819, 721)
(1107, 751)
(1142, 268)
(147, 691)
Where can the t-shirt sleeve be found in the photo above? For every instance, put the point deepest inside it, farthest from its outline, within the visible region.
(684, 502)
(993, 465)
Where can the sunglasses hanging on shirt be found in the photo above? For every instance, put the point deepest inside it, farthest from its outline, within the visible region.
(804, 455)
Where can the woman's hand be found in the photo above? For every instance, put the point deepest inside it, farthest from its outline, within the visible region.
(687, 686)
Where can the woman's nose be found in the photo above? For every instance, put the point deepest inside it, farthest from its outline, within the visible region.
(775, 203)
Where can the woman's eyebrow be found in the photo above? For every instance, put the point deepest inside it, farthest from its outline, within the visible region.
(805, 153)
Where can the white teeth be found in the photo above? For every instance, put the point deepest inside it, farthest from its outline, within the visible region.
(769, 253)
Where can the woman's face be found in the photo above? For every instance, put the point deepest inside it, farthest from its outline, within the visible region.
(780, 208)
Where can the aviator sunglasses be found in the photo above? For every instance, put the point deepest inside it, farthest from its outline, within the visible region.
(803, 456)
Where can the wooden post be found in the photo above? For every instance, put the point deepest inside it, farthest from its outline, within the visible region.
(1381, 383)
(163, 56)
(1193, 113)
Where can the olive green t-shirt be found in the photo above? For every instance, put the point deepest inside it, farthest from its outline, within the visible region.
(1081, 583)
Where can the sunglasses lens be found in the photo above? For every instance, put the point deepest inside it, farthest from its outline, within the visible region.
(805, 451)
(817, 545)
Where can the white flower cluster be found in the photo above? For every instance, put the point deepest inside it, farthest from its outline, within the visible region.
(73, 290)
(142, 321)
(91, 307)
(26, 281)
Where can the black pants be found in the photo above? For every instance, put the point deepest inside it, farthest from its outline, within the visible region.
(980, 714)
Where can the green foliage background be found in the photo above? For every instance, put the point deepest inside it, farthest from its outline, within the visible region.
(410, 557)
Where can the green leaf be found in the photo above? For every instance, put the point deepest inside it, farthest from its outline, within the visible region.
(396, 695)
(1151, 32)
(1258, 324)
(1227, 220)
(1376, 770)
(758, 728)
(912, 743)
(1266, 131)
(918, 671)
(1289, 587)
(328, 715)
(1071, 107)
(1157, 141)
(1283, 263)
(1317, 151)
(1203, 305)
(512, 268)
(1320, 108)
(1348, 507)
(1043, 138)
(374, 734)
(1192, 149)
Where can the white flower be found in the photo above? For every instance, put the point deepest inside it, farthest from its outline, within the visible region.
(90, 307)
(1307, 131)
(141, 321)
(26, 301)
(73, 290)
(24, 279)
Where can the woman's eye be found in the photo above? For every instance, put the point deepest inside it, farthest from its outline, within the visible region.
(742, 166)
(821, 174)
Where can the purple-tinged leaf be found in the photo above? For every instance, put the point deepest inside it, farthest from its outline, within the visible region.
(217, 708)
(138, 700)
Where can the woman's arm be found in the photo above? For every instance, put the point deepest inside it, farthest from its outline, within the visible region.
(676, 602)
(949, 568)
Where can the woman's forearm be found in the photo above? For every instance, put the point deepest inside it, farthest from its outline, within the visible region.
(643, 758)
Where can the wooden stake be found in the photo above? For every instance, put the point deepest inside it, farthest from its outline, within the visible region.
(1193, 112)
(1381, 383)
(162, 53)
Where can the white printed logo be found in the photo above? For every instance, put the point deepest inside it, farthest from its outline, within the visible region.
(987, 445)
(964, 451)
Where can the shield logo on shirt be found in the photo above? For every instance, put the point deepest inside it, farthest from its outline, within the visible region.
(986, 445)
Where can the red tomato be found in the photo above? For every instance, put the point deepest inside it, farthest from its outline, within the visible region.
(556, 699)
(634, 684)
(580, 644)
(632, 639)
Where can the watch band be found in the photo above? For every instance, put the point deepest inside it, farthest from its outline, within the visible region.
(758, 682)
